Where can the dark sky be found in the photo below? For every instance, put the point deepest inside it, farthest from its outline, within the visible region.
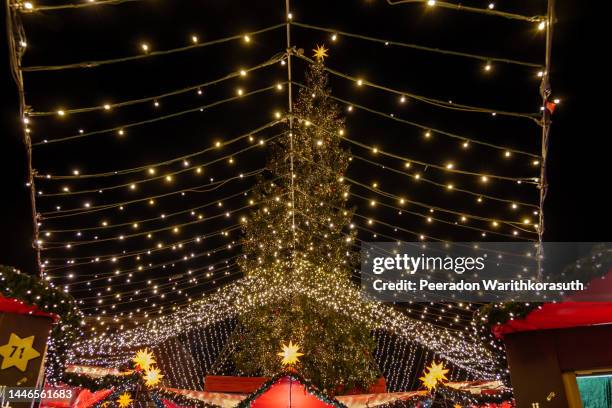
(575, 209)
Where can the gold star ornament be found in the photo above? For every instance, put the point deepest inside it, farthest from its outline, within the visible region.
(152, 376)
(124, 400)
(18, 352)
(320, 53)
(144, 359)
(290, 354)
(433, 374)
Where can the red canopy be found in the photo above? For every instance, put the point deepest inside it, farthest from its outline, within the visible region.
(287, 392)
(12, 305)
(557, 316)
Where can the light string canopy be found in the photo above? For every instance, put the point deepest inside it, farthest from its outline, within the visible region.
(238, 295)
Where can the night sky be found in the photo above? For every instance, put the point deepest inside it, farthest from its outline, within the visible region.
(575, 208)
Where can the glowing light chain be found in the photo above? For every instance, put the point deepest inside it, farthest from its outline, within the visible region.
(148, 54)
(157, 98)
(156, 119)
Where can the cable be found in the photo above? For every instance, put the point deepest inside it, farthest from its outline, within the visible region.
(78, 211)
(461, 7)
(235, 74)
(444, 186)
(91, 64)
(157, 119)
(142, 221)
(432, 101)
(184, 170)
(165, 162)
(79, 5)
(436, 166)
(419, 47)
(426, 128)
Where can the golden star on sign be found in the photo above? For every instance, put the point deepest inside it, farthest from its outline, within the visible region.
(290, 354)
(18, 352)
(124, 400)
(320, 53)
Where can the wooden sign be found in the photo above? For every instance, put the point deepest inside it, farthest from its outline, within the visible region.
(23, 344)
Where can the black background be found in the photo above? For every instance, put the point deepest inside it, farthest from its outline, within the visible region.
(578, 166)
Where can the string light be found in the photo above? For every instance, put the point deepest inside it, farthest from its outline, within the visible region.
(218, 306)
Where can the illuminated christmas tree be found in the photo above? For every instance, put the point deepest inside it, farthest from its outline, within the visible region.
(300, 235)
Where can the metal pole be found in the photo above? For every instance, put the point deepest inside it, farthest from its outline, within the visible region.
(13, 24)
(545, 91)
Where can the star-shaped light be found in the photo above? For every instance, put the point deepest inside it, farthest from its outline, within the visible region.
(152, 376)
(18, 352)
(144, 359)
(290, 354)
(320, 53)
(428, 381)
(433, 374)
(124, 400)
(438, 371)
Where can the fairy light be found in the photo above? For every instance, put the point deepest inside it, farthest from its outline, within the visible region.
(221, 305)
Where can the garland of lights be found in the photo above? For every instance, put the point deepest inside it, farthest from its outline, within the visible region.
(293, 376)
(33, 291)
(221, 305)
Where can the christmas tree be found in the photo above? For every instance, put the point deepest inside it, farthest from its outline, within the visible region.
(299, 236)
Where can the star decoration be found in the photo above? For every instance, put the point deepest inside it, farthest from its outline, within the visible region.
(152, 376)
(18, 352)
(433, 374)
(124, 400)
(144, 359)
(290, 354)
(438, 371)
(320, 53)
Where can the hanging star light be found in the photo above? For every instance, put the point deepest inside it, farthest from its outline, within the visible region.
(152, 376)
(290, 354)
(433, 374)
(320, 53)
(124, 400)
(438, 371)
(144, 359)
